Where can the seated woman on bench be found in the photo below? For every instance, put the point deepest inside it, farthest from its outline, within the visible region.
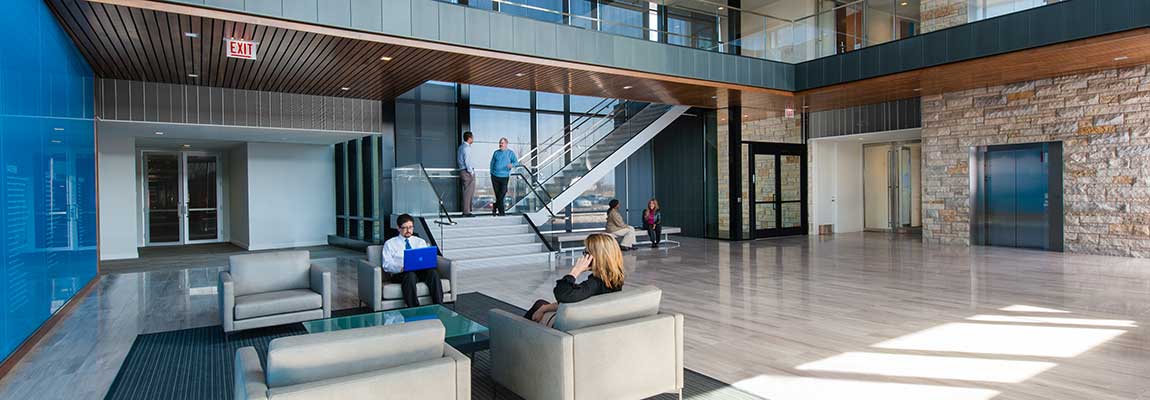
(605, 262)
(616, 226)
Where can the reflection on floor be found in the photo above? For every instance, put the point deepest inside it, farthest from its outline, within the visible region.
(169, 258)
(851, 316)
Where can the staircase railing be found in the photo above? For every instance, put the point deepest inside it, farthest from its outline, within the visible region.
(413, 193)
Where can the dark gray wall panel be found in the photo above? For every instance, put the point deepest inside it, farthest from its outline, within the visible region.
(878, 117)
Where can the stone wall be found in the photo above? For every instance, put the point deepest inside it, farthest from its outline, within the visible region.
(941, 14)
(1103, 120)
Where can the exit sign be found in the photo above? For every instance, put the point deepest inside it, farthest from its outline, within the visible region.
(241, 49)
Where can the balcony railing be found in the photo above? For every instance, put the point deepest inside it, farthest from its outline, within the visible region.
(795, 38)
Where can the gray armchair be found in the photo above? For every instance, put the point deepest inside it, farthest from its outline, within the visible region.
(401, 361)
(377, 291)
(266, 289)
(612, 346)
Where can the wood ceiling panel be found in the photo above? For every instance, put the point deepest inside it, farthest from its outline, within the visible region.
(1116, 50)
(143, 40)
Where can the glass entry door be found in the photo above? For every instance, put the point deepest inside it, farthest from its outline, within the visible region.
(778, 181)
(182, 197)
(892, 193)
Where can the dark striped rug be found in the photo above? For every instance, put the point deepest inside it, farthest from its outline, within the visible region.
(197, 363)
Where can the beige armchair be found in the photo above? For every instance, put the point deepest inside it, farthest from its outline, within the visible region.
(377, 291)
(389, 362)
(266, 289)
(612, 346)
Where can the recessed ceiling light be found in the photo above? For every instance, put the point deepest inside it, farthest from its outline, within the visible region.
(720, 8)
(918, 89)
(627, 87)
(193, 75)
(345, 88)
(746, 116)
(159, 133)
(714, 97)
(520, 74)
(903, 3)
(191, 34)
(385, 58)
(1121, 58)
(186, 146)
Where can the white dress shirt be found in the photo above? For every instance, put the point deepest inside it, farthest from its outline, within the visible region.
(393, 252)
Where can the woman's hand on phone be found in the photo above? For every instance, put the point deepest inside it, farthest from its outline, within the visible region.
(582, 265)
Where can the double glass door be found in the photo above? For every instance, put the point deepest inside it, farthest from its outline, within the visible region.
(892, 186)
(778, 180)
(182, 197)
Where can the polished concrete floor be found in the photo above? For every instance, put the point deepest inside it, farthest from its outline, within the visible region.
(855, 316)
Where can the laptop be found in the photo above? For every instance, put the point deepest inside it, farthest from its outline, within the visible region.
(420, 259)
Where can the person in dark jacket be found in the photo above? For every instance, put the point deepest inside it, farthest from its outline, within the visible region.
(653, 222)
(605, 261)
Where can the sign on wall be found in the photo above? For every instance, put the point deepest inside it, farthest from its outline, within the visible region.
(241, 49)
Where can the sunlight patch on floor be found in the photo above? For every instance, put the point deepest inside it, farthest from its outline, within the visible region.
(1019, 340)
(933, 367)
(1117, 323)
(776, 387)
(1026, 308)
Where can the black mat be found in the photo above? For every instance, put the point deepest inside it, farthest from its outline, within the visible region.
(197, 363)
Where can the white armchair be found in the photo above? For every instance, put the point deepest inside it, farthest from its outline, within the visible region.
(266, 289)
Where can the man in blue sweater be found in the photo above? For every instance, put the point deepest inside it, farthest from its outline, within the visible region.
(502, 161)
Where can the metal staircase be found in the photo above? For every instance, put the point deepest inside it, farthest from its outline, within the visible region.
(552, 178)
(559, 170)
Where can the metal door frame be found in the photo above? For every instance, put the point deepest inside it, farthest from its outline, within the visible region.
(182, 197)
(778, 150)
(892, 186)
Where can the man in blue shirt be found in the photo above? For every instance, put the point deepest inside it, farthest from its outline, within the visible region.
(502, 161)
(466, 171)
(392, 261)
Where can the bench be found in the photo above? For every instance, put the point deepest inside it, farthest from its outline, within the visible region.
(573, 241)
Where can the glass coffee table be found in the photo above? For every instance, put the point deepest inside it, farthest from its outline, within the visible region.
(461, 333)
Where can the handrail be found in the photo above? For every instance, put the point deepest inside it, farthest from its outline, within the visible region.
(532, 186)
(569, 145)
(439, 198)
(595, 111)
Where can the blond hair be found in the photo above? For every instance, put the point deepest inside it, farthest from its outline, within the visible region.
(608, 264)
(653, 200)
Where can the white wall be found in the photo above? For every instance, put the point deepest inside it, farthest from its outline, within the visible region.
(237, 201)
(119, 218)
(837, 186)
(291, 195)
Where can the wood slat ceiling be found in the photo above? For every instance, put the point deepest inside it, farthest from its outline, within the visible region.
(146, 41)
(1118, 50)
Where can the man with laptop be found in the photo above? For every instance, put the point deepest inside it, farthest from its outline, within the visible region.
(410, 262)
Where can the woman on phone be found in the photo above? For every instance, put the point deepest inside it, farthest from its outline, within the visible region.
(603, 258)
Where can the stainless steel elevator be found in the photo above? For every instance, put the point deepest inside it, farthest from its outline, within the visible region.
(1017, 196)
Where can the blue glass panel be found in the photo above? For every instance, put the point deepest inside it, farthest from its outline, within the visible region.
(48, 181)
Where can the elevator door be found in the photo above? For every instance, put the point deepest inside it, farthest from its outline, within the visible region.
(1016, 198)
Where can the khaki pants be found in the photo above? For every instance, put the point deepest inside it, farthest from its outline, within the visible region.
(628, 235)
(468, 181)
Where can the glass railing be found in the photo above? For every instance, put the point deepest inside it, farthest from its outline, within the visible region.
(535, 188)
(413, 192)
(804, 33)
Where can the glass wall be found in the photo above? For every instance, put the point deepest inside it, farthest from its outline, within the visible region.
(47, 145)
(782, 30)
(529, 119)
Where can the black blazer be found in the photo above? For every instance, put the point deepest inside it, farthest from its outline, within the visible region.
(658, 218)
(567, 291)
